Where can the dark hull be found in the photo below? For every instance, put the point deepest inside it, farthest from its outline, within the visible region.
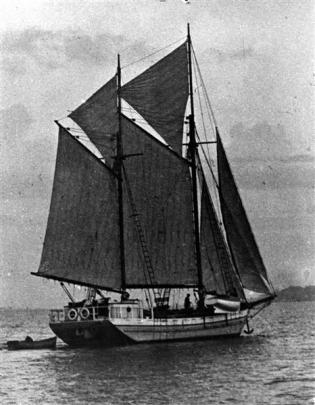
(90, 333)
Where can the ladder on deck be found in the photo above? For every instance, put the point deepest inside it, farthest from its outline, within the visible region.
(161, 295)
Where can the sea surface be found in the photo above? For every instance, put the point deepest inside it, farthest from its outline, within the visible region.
(274, 365)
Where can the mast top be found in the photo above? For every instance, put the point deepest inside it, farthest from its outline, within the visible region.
(118, 62)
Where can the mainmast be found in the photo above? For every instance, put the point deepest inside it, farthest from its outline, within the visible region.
(192, 146)
(119, 171)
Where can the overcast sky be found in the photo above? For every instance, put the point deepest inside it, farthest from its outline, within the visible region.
(257, 60)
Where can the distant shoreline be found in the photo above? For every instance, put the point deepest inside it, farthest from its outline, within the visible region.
(296, 294)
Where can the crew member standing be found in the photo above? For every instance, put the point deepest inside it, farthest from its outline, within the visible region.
(187, 303)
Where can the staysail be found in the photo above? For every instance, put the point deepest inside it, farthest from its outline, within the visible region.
(98, 118)
(239, 233)
(82, 236)
(160, 183)
(218, 273)
(160, 95)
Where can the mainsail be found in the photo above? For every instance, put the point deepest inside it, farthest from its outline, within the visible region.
(239, 234)
(81, 242)
(160, 183)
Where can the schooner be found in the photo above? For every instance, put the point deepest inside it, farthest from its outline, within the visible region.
(135, 215)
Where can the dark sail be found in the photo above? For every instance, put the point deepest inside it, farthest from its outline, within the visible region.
(98, 118)
(161, 189)
(82, 237)
(160, 95)
(239, 233)
(218, 272)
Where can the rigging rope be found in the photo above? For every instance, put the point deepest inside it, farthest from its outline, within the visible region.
(199, 99)
(206, 153)
(153, 53)
(205, 91)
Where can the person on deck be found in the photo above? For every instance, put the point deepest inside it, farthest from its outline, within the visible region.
(125, 296)
(201, 301)
(187, 303)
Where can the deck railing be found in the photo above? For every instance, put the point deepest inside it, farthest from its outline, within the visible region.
(72, 314)
(94, 313)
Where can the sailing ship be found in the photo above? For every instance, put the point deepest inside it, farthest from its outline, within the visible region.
(141, 213)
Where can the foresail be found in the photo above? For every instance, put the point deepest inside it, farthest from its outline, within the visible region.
(218, 272)
(82, 237)
(239, 234)
(98, 118)
(160, 95)
(160, 184)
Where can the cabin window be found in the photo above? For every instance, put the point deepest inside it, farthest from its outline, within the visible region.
(115, 312)
(125, 312)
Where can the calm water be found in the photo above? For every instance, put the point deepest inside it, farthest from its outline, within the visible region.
(275, 365)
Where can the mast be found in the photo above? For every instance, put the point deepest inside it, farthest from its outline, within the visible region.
(193, 151)
(119, 170)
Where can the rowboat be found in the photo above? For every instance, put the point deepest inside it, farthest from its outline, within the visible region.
(30, 344)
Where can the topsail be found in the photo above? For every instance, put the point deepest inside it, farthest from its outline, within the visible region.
(99, 119)
(160, 95)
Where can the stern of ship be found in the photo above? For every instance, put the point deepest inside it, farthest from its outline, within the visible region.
(86, 326)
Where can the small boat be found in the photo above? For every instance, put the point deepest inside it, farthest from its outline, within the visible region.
(31, 344)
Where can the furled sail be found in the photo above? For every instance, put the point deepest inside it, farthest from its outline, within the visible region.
(98, 118)
(239, 233)
(82, 237)
(218, 272)
(160, 95)
(161, 188)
